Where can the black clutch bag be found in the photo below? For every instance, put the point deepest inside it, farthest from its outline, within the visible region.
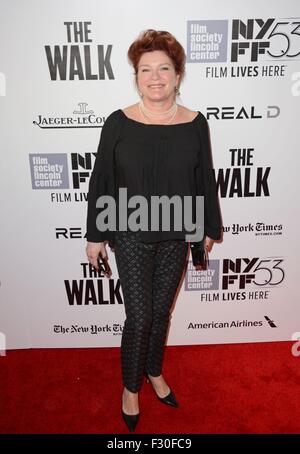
(199, 255)
(104, 266)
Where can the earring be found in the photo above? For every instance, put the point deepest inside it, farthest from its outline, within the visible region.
(177, 91)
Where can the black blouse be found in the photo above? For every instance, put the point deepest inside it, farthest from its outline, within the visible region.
(147, 160)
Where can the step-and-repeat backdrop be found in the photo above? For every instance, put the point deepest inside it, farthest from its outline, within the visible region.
(63, 70)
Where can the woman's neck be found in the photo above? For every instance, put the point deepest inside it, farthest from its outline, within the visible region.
(158, 107)
(166, 116)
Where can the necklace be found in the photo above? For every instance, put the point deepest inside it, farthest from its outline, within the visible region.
(147, 113)
(154, 114)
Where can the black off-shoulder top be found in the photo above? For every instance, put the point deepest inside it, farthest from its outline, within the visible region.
(153, 160)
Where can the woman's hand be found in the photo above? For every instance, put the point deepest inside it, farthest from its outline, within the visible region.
(93, 250)
(208, 243)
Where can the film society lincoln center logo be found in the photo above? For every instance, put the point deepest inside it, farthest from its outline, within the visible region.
(49, 171)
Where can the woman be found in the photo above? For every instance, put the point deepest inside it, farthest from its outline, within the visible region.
(154, 147)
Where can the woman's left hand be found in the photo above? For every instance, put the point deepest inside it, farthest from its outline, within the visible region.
(208, 243)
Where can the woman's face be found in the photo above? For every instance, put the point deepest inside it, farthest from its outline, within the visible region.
(156, 76)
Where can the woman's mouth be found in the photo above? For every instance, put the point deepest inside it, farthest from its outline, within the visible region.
(156, 86)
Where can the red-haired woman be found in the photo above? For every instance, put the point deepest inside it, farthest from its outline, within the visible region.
(155, 147)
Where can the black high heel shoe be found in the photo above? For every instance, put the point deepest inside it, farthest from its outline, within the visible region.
(170, 399)
(130, 420)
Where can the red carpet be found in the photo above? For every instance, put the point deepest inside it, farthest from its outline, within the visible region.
(236, 389)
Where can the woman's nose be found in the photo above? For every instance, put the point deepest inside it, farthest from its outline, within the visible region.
(155, 74)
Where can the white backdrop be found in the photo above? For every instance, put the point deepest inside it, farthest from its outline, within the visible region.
(55, 94)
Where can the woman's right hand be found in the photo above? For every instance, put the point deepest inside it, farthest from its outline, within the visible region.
(93, 250)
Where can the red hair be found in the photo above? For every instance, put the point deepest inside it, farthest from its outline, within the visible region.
(151, 40)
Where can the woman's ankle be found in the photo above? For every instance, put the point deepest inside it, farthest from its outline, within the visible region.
(129, 393)
(130, 402)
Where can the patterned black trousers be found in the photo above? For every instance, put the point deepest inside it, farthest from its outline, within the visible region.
(149, 275)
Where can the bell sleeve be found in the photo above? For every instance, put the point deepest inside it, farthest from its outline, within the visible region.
(102, 182)
(206, 184)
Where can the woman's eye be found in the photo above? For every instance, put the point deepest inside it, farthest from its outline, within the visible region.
(165, 67)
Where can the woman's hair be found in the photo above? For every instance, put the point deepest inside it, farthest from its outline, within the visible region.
(150, 40)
